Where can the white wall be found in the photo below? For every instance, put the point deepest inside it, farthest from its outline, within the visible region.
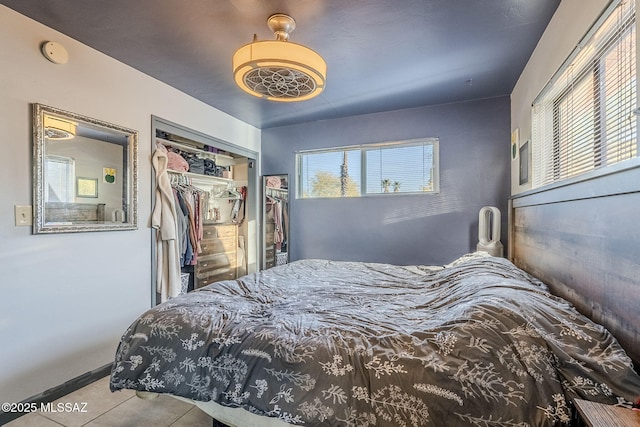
(569, 24)
(65, 299)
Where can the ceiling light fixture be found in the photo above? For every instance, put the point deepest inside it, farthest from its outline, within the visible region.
(279, 70)
(58, 129)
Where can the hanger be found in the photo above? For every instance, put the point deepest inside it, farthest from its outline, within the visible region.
(279, 194)
(179, 180)
(233, 192)
(228, 193)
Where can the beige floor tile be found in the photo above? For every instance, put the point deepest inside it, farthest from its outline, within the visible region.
(119, 409)
(32, 420)
(160, 412)
(194, 418)
(87, 403)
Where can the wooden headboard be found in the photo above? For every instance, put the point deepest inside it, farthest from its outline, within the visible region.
(583, 240)
(74, 212)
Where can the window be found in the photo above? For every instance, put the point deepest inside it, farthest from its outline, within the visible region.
(60, 173)
(584, 118)
(397, 167)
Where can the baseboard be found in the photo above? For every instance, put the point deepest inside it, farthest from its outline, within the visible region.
(57, 392)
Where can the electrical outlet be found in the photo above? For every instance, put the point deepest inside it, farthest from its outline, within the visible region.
(23, 215)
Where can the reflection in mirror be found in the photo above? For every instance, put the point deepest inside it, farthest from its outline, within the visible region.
(275, 215)
(85, 173)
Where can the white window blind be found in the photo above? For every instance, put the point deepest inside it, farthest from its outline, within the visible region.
(397, 167)
(60, 173)
(584, 118)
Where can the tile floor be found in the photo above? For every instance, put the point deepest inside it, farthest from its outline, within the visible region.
(119, 409)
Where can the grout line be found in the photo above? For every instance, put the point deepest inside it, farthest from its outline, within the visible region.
(57, 422)
(92, 419)
(49, 419)
(182, 416)
(109, 410)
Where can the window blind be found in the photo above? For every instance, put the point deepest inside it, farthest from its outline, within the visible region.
(584, 118)
(60, 173)
(401, 167)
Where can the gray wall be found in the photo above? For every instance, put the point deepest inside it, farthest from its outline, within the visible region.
(402, 229)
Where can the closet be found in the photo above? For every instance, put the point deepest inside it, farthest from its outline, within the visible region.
(275, 204)
(213, 184)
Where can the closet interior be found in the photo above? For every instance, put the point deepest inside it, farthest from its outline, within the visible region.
(275, 189)
(214, 189)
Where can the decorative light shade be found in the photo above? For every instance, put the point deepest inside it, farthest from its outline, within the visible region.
(55, 128)
(279, 70)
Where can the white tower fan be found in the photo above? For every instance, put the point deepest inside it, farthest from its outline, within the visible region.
(489, 231)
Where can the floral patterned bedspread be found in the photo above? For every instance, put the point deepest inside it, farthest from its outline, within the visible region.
(326, 343)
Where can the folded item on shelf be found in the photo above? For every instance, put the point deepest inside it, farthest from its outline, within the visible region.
(209, 167)
(196, 165)
(176, 162)
(273, 182)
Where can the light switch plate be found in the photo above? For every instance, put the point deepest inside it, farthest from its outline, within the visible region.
(23, 215)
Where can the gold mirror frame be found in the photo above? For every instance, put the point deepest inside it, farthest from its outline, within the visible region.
(107, 156)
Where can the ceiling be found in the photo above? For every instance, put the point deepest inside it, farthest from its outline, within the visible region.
(381, 55)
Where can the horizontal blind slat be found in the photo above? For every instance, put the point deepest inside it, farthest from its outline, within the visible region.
(584, 118)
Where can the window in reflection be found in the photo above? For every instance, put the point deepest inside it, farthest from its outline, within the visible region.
(60, 172)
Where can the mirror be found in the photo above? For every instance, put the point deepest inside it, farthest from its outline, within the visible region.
(85, 173)
(275, 220)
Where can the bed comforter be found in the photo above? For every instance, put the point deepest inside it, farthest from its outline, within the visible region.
(325, 343)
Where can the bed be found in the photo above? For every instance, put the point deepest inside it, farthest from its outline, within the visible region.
(477, 342)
